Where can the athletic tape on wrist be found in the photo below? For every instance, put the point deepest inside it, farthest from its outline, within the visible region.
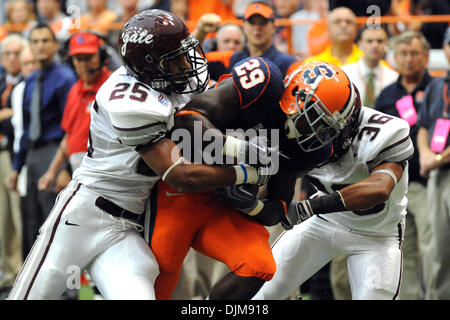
(232, 147)
(241, 174)
(389, 173)
(244, 170)
(245, 174)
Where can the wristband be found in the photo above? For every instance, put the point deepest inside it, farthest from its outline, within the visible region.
(245, 174)
(179, 161)
(389, 173)
(327, 204)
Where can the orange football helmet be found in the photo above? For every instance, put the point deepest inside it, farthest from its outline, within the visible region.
(319, 100)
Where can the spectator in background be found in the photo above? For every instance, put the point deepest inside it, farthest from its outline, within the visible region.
(206, 25)
(230, 37)
(433, 32)
(89, 60)
(359, 7)
(404, 99)
(43, 106)
(20, 18)
(161, 5)
(435, 165)
(129, 9)
(284, 9)
(310, 39)
(10, 225)
(371, 73)
(259, 29)
(99, 18)
(49, 12)
(342, 31)
(197, 8)
(29, 65)
(401, 8)
(179, 8)
(239, 7)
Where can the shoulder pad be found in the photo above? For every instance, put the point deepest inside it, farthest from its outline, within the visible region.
(138, 113)
(257, 79)
(384, 138)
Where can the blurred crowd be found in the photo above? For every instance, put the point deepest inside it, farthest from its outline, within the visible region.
(49, 71)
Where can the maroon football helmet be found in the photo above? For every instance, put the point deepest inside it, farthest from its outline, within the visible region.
(157, 49)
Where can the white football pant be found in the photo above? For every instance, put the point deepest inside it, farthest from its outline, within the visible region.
(374, 262)
(79, 236)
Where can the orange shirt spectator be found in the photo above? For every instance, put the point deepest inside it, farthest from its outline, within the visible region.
(99, 18)
(310, 39)
(197, 8)
(317, 37)
(20, 19)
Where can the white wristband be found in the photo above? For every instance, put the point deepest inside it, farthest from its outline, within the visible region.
(232, 147)
(246, 174)
(389, 173)
(179, 161)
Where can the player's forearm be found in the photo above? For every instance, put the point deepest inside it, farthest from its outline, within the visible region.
(365, 194)
(191, 178)
(200, 178)
(359, 196)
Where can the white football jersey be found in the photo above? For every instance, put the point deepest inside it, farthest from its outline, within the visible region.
(126, 114)
(381, 138)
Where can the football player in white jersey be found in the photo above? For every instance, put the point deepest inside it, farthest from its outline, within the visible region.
(94, 224)
(360, 208)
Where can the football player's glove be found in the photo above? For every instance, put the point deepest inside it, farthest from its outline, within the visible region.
(297, 212)
(241, 197)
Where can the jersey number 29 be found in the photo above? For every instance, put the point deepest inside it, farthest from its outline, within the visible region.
(249, 74)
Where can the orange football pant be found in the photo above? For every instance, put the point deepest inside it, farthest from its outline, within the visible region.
(202, 222)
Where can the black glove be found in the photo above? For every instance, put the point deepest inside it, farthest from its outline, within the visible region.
(241, 197)
(271, 214)
(297, 212)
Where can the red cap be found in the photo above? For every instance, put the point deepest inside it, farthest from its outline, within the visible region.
(259, 8)
(84, 43)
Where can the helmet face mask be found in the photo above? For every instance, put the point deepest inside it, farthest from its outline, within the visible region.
(315, 125)
(318, 107)
(184, 70)
(155, 47)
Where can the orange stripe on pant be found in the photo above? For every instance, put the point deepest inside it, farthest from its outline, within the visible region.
(210, 227)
